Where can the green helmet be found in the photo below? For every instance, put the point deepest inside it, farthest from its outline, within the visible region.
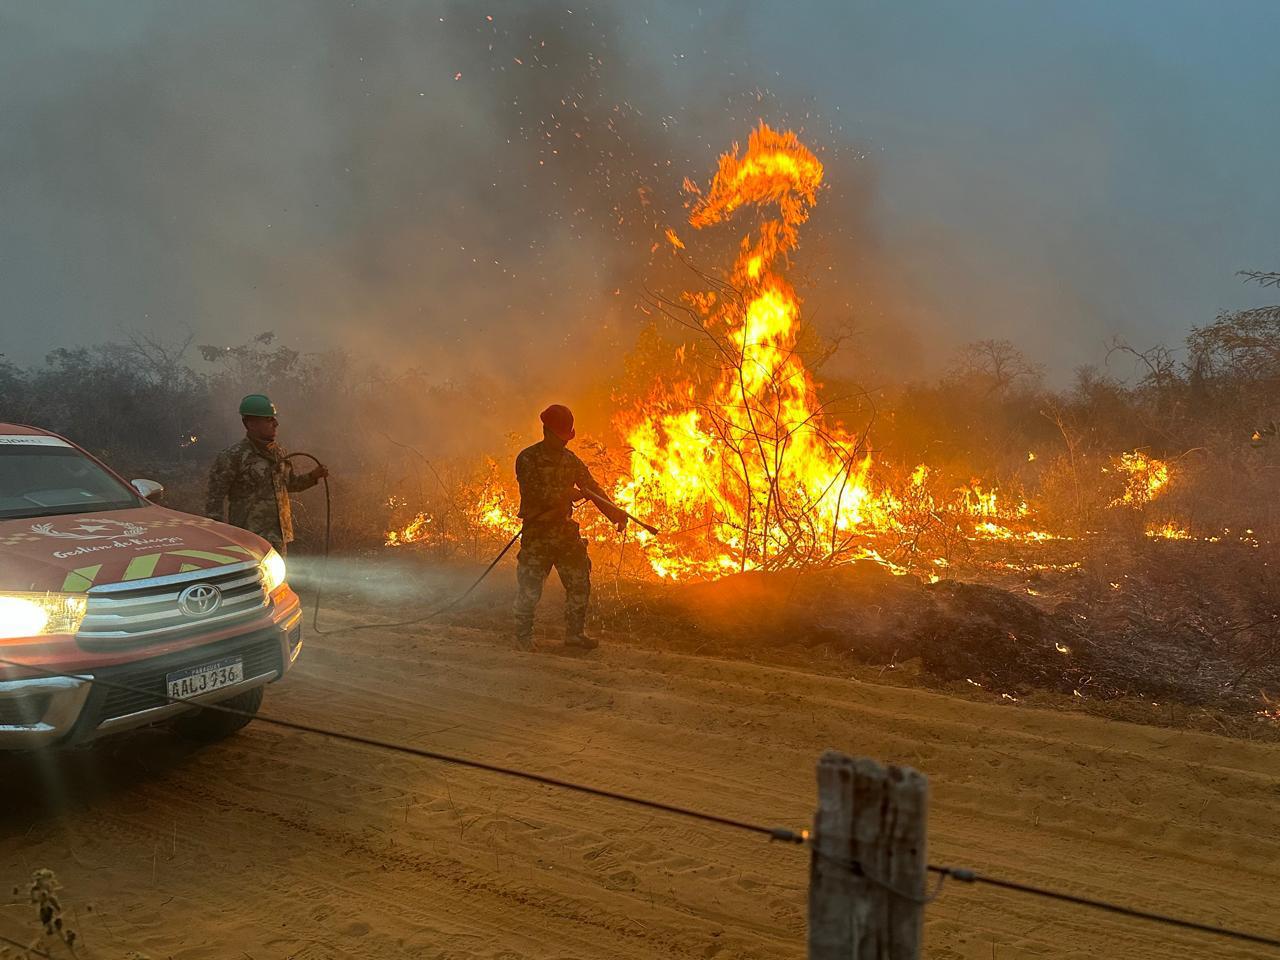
(257, 405)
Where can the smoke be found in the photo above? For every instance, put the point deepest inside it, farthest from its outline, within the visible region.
(477, 194)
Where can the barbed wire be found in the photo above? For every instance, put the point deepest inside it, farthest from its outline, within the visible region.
(26, 948)
(778, 834)
(781, 834)
(964, 875)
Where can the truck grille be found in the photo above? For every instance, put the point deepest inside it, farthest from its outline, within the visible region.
(145, 680)
(142, 610)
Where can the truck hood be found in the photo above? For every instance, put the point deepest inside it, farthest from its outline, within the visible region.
(76, 551)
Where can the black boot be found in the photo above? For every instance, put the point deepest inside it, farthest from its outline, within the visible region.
(580, 641)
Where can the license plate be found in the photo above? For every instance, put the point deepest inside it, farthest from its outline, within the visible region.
(194, 681)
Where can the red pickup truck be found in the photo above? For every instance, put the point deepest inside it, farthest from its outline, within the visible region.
(99, 583)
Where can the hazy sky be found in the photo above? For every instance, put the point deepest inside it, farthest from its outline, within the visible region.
(449, 190)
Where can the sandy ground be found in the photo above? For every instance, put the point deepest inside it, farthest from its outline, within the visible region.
(283, 845)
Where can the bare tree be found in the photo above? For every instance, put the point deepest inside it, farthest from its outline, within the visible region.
(162, 361)
(1243, 344)
(996, 366)
(1158, 361)
(772, 519)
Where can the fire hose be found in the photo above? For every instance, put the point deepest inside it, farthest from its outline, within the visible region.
(599, 500)
(605, 504)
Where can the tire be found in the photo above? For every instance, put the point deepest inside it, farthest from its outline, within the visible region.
(208, 726)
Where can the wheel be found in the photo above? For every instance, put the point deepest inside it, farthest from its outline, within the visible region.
(207, 726)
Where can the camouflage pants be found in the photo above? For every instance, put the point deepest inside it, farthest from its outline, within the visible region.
(563, 548)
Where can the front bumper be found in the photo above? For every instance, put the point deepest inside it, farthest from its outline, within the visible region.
(41, 711)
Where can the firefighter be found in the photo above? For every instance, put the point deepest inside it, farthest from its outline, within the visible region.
(250, 481)
(551, 478)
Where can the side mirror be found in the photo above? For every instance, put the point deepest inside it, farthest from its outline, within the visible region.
(148, 489)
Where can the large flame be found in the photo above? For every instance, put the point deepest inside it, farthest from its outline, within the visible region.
(738, 459)
(748, 459)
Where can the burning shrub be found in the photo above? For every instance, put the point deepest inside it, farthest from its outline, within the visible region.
(743, 452)
(465, 515)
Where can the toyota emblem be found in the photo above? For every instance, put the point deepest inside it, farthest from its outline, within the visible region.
(199, 599)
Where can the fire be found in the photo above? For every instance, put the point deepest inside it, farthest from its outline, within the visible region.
(994, 531)
(1169, 531)
(415, 531)
(977, 502)
(748, 457)
(737, 457)
(482, 507)
(1145, 478)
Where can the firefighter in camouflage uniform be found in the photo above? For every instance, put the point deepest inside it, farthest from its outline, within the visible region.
(551, 478)
(250, 482)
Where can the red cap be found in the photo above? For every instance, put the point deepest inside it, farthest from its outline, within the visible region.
(559, 420)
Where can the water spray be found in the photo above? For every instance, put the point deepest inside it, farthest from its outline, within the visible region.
(596, 498)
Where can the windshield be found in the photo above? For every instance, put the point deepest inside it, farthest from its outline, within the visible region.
(42, 477)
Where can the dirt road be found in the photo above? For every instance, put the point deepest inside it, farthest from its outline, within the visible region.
(277, 844)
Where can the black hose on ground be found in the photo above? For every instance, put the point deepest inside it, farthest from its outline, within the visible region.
(324, 569)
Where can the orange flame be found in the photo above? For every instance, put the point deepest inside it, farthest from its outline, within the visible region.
(482, 507)
(749, 460)
(1145, 478)
(1169, 531)
(738, 458)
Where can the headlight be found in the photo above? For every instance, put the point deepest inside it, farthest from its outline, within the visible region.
(272, 569)
(40, 614)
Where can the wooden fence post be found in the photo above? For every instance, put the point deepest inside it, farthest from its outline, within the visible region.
(867, 872)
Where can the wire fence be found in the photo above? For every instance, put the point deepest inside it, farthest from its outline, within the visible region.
(771, 833)
(27, 949)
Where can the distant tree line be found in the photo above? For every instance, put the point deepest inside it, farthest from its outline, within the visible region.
(164, 408)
